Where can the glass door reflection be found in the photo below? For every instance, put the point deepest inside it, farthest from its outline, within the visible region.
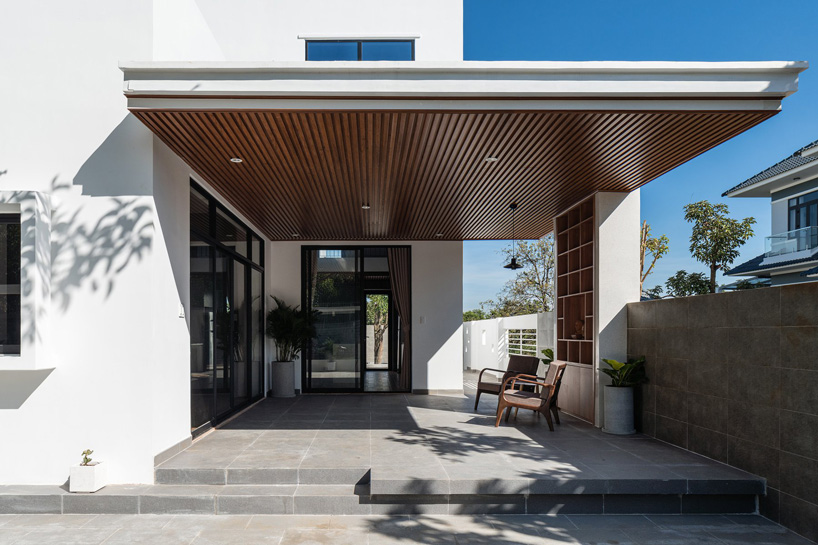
(332, 287)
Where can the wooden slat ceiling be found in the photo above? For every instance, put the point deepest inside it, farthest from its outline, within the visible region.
(425, 174)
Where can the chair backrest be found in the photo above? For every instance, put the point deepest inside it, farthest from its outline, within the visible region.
(521, 365)
(554, 377)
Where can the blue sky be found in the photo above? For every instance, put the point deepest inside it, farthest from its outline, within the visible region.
(669, 30)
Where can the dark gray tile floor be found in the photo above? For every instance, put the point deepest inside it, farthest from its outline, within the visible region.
(420, 441)
(372, 529)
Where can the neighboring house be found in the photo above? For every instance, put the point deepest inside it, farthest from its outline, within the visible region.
(791, 250)
(315, 150)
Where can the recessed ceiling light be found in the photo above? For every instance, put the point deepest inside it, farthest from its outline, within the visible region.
(438, 235)
(236, 160)
(491, 159)
(796, 178)
(295, 235)
(365, 206)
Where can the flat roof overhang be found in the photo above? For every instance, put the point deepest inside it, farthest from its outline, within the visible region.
(410, 140)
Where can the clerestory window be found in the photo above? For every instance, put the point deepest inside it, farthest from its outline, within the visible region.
(360, 50)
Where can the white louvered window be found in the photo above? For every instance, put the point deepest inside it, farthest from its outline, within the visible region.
(522, 342)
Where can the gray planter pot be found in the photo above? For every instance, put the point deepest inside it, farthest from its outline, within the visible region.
(282, 375)
(619, 410)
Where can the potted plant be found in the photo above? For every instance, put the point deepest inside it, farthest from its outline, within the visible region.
(619, 394)
(290, 328)
(548, 359)
(88, 476)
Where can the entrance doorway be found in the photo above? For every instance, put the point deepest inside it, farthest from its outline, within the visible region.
(357, 347)
(380, 373)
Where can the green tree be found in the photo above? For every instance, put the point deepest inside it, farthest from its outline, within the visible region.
(377, 315)
(716, 237)
(684, 284)
(654, 293)
(650, 249)
(532, 289)
(474, 314)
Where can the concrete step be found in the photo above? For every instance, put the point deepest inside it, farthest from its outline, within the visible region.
(360, 500)
(261, 476)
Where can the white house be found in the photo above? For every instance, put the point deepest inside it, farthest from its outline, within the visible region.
(144, 226)
(791, 250)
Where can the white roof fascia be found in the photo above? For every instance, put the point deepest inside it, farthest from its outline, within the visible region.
(767, 82)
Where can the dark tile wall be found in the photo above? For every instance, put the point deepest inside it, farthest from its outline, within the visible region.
(734, 377)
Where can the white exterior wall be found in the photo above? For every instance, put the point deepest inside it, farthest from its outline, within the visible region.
(484, 341)
(778, 217)
(616, 279)
(269, 30)
(112, 353)
(77, 145)
(437, 300)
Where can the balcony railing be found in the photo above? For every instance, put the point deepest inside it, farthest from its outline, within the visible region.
(792, 241)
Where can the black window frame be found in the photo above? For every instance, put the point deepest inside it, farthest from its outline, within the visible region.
(210, 237)
(360, 47)
(795, 204)
(306, 349)
(15, 218)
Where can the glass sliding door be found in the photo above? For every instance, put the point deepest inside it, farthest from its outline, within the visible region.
(332, 287)
(201, 331)
(257, 333)
(226, 312)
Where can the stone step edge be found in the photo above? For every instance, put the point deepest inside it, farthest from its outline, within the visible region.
(261, 476)
(442, 485)
(344, 501)
(362, 505)
(419, 486)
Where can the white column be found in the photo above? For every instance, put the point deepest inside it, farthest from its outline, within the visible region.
(616, 281)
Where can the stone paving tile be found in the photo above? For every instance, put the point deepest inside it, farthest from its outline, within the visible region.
(10, 535)
(66, 536)
(426, 529)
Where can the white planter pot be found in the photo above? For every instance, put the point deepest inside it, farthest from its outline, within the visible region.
(282, 376)
(88, 478)
(619, 410)
(331, 365)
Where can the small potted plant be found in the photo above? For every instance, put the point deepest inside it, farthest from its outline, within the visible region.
(290, 328)
(88, 476)
(618, 400)
(548, 358)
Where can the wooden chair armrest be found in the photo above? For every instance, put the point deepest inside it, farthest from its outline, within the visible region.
(480, 377)
(514, 380)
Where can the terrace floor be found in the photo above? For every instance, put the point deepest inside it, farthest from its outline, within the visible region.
(430, 443)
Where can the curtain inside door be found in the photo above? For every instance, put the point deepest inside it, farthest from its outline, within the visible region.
(400, 280)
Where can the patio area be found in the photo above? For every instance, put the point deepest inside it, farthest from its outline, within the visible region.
(394, 454)
(409, 454)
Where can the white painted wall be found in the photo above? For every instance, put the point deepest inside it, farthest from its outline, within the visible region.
(437, 300)
(484, 341)
(616, 279)
(269, 30)
(78, 145)
(778, 216)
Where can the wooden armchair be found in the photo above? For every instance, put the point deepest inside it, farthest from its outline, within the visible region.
(514, 394)
(517, 365)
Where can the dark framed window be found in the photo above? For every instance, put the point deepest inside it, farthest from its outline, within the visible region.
(803, 211)
(360, 50)
(226, 312)
(10, 284)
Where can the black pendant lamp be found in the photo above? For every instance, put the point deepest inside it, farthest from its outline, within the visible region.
(513, 265)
